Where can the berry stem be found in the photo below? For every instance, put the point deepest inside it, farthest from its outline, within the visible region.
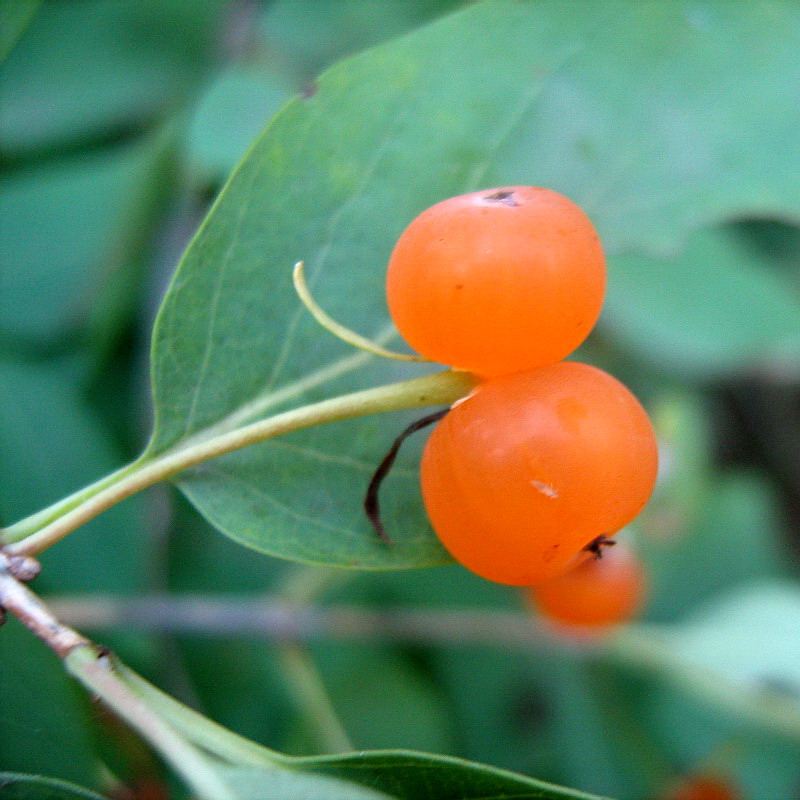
(442, 387)
(339, 330)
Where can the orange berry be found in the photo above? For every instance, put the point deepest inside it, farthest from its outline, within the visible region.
(600, 592)
(497, 281)
(533, 466)
(704, 787)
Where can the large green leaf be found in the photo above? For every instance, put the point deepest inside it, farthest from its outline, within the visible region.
(231, 112)
(308, 35)
(35, 787)
(265, 783)
(637, 111)
(378, 774)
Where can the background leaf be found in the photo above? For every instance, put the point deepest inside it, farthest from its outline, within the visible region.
(50, 442)
(84, 70)
(715, 307)
(61, 221)
(15, 16)
(34, 686)
(34, 787)
(749, 637)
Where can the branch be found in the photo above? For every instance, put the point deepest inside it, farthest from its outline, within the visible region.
(19, 600)
(95, 668)
(643, 647)
(278, 619)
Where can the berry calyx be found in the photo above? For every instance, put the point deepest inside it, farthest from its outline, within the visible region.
(497, 281)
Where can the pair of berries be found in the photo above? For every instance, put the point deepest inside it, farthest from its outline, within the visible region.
(545, 456)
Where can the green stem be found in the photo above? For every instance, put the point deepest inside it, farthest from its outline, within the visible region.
(99, 673)
(310, 693)
(439, 389)
(35, 522)
(200, 730)
(96, 669)
(339, 331)
(303, 585)
(301, 588)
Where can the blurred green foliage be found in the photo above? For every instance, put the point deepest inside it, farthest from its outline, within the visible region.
(121, 120)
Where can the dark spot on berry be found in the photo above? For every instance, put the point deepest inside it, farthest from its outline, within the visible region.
(505, 197)
(309, 90)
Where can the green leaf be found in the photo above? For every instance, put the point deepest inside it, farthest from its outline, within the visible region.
(637, 112)
(716, 307)
(398, 774)
(749, 637)
(60, 220)
(387, 775)
(229, 115)
(35, 787)
(263, 783)
(46, 724)
(308, 35)
(88, 70)
(52, 444)
(15, 16)
(406, 775)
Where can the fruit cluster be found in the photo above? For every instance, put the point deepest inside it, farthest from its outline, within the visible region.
(546, 456)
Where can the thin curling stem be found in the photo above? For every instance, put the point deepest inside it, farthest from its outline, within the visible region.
(371, 501)
(339, 331)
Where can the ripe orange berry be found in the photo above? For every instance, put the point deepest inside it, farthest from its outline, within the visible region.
(497, 281)
(599, 592)
(704, 787)
(533, 466)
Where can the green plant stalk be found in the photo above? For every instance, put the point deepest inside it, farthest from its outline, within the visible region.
(96, 669)
(302, 587)
(306, 684)
(201, 731)
(646, 649)
(339, 331)
(38, 520)
(98, 673)
(443, 388)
